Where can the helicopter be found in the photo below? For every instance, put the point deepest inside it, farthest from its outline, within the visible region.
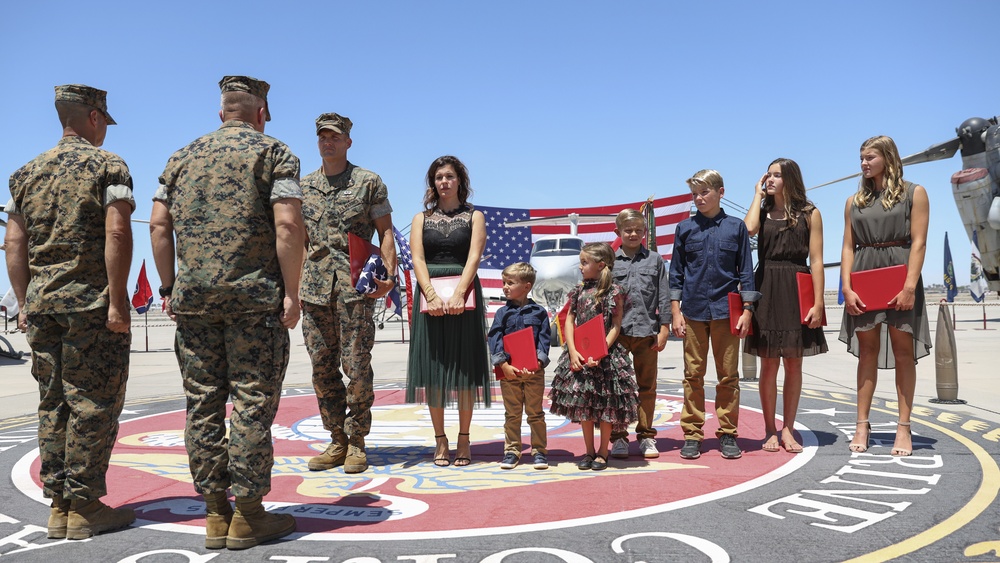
(976, 188)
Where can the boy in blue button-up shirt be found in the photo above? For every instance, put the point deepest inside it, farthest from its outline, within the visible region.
(522, 390)
(711, 258)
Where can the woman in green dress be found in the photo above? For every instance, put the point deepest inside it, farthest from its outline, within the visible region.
(449, 361)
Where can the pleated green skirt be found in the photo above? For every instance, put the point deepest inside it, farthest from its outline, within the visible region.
(449, 363)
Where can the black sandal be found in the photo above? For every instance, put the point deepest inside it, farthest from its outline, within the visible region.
(467, 460)
(442, 461)
(586, 463)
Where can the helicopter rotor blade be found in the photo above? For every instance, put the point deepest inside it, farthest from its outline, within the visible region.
(939, 151)
(835, 181)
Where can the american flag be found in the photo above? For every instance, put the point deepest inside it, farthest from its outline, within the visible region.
(405, 262)
(506, 245)
(405, 257)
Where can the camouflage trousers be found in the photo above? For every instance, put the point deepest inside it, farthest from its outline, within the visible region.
(81, 368)
(341, 336)
(243, 357)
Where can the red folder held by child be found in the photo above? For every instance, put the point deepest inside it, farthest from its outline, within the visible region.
(590, 339)
(877, 287)
(520, 346)
(806, 296)
(445, 287)
(735, 312)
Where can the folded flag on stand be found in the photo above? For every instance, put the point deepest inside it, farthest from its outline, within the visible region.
(142, 299)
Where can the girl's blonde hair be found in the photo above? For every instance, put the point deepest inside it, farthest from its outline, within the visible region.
(601, 252)
(893, 186)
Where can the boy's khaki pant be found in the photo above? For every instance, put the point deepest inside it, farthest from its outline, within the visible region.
(524, 395)
(644, 358)
(726, 349)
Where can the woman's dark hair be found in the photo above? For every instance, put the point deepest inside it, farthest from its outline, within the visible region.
(795, 192)
(464, 190)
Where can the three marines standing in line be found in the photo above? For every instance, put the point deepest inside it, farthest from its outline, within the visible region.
(229, 209)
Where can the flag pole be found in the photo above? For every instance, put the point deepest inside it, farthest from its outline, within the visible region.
(402, 329)
(404, 316)
(146, 316)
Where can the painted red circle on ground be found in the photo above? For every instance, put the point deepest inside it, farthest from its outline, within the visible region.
(403, 492)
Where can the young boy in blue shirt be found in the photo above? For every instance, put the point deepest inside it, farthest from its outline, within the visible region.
(645, 324)
(711, 258)
(522, 390)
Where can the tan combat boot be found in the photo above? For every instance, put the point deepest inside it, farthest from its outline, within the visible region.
(218, 515)
(251, 525)
(58, 516)
(334, 455)
(91, 517)
(356, 460)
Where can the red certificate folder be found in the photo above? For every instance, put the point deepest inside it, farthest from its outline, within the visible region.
(735, 312)
(590, 339)
(359, 250)
(806, 296)
(877, 287)
(520, 345)
(445, 288)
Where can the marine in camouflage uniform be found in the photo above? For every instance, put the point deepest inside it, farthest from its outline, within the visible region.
(232, 199)
(338, 199)
(69, 249)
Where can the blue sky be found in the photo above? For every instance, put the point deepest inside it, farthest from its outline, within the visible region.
(550, 104)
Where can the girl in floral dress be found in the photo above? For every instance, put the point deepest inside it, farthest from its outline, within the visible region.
(592, 391)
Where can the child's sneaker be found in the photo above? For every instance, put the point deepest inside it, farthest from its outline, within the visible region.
(647, 447)
(691, 449)
(728, 447)
(619, 449)
(510, 460)
(541, 462)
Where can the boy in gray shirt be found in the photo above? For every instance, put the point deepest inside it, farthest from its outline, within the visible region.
(645, 324)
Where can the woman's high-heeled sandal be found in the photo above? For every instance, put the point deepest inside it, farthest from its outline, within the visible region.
(859, 448)
(446, 460)
(900, 452)
(463, 460)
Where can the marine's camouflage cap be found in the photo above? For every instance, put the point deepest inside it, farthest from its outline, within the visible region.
(334, 122)
(86, 95)
(249, 85)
